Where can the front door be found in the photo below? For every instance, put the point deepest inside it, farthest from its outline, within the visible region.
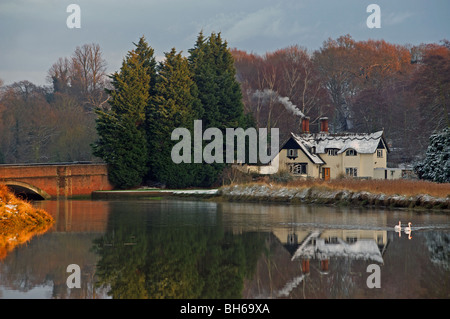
(326, 173)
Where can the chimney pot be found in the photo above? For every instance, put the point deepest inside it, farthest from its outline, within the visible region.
(323, 124)
(305, 125)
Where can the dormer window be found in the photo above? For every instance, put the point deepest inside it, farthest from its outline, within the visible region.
(332, 151)
(313, 150)
(350, 152)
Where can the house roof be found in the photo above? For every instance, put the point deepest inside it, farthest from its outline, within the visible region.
(365, 249)
(365, 143)
(307, 150)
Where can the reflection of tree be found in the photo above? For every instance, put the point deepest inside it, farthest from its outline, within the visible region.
(174, 260)
(122, 263)
(438, 244)
(436, 277)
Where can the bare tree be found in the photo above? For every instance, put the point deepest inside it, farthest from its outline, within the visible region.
(83, 76)
(59, 75)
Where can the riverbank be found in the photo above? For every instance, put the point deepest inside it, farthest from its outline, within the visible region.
(261, 192)
(19, 221)
(327, 194)
(154, 193)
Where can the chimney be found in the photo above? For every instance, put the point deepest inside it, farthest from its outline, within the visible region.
(324, 265)
(305, 124)
(305, 266)
(323, 124)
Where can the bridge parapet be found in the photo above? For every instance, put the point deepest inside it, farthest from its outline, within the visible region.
(58, 179)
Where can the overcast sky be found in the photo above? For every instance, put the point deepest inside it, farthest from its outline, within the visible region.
(34, 34)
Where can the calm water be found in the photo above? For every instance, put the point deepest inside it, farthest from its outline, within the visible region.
(192, 249)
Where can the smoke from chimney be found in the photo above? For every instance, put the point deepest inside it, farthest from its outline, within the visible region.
(270, 94)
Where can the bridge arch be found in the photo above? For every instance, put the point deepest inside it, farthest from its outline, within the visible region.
(27, 190)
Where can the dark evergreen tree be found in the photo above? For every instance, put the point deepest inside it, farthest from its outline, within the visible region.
(215, 75)
(175, 105)
(220, 93)
(148, 102)
(122, 140)
(146, 56)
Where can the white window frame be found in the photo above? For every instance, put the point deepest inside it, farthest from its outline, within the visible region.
(332, 151)
(380, 153)
(298, 168)
(351, 171)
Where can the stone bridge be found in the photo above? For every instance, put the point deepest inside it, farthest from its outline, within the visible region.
(56, 180)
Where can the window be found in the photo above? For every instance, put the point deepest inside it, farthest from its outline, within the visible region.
(292, 153)
(331, 240)
(298, 168)
(351, 171)
(350, 152)
(332, 151)
(379, 153)
(380, 240)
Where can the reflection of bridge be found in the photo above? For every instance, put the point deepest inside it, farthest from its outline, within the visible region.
(45, 181)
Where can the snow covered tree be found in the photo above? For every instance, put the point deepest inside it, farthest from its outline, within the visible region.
(436, 165)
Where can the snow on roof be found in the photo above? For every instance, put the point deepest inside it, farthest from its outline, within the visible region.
(365, 143)
(365, 249)
(306, 148)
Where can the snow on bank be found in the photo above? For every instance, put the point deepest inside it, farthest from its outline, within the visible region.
(322, 195)
(191, 191)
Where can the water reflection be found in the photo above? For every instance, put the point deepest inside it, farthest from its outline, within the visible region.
(178, 251)
(327, 253)
(38, 269)
(194, 249)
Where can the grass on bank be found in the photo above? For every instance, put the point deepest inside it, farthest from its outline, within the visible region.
(388, 187)
(405, 187)
(19, 221)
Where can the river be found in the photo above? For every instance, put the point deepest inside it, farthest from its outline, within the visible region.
(171, 248)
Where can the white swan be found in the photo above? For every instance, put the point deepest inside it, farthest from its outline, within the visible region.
(407, 230)
(398, 229)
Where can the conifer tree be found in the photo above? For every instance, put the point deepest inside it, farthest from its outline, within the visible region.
(215, 75)
(220, 93)
(122, 140)
(175, 105)
(146, 56)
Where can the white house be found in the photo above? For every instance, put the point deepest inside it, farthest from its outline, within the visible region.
(327, 156)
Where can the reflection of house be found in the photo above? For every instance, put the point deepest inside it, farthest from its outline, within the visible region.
(327, 156)
(322, 245)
